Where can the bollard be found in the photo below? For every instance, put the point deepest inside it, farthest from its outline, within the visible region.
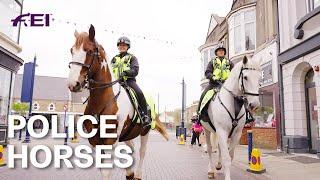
(20, 134)
(75, 139)
(2, 161)
(249, 136)
(256, 162)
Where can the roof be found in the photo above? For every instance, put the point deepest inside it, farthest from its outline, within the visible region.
(45, 88)
(214, 21)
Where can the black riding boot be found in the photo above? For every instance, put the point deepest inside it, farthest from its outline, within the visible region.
(146, 120)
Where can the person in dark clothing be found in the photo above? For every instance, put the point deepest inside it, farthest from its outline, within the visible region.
(218, 70)
(125, 67)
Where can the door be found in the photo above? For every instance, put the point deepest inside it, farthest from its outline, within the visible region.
(312, 112)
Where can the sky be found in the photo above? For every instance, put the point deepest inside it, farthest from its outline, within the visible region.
(165, 36)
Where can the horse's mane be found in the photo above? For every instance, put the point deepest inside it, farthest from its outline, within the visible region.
(251, 63)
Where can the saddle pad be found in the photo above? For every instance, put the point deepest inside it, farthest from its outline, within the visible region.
(206, 99)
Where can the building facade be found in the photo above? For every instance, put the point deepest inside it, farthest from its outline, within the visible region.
(9, 61)
(299, 59)
(250, 29)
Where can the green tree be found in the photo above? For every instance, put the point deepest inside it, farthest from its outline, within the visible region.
(20, 108)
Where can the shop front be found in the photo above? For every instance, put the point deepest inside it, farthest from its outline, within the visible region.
(9, 65)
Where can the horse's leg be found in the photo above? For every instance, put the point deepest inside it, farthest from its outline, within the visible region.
(143, 148)
(130, 170)
(223, 144)
(235, 138)
(209, 150)
(105, 172)
(219, 165)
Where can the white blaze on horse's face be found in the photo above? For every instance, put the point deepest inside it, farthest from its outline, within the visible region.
(74, 80)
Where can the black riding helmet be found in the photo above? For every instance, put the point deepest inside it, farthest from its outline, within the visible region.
(124, 40)
(222, 48)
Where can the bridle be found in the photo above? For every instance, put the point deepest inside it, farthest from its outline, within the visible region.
(241, 98)
(243, 89)
(89, 76)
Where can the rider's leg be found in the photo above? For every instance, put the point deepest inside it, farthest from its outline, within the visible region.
(141, 100)
(209, 87)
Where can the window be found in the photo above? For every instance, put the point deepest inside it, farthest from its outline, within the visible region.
(242, 37)
(212, 55)
(51, 107)
(316, 3)
(9, 9)
(312, 4)
(36, 106)
(5, 83)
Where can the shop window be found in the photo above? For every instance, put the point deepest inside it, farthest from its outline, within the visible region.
(242, 31)
(5, 82)
(9, 9)
(51, 107)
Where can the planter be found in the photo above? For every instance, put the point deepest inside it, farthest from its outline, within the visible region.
(265, 138)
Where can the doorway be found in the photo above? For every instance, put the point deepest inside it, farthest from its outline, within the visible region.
(312, 111)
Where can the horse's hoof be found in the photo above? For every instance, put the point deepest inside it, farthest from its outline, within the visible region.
(130, 177)
(218, 167)
(211, 175)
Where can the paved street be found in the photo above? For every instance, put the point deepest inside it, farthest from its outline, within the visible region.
(164, 161)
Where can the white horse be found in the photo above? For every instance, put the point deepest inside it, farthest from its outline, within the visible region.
(242, 83)
(89, 57)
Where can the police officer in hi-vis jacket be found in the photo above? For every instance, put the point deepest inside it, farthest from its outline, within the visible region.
(126, 67)
(218, 70)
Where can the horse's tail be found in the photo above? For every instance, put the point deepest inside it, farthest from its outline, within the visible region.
(161, 128)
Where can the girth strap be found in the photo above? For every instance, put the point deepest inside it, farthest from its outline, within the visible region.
(234, 120)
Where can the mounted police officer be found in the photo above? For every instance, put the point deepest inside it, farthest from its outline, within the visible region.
(218, 70)
(125, 67)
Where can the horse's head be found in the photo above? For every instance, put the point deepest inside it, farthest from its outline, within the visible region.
(86, 59)
(249, 77)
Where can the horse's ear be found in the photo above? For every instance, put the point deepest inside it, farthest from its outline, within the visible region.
(76, 34)
(245, 60)
(91, 33)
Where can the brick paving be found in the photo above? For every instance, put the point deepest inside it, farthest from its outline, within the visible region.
(164, 161)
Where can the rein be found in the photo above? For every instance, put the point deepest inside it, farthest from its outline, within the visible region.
(243, 98)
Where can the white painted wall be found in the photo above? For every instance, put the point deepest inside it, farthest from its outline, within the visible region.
(290, 12)
(294, 93)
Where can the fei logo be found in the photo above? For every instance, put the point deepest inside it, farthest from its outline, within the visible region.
(38, 20)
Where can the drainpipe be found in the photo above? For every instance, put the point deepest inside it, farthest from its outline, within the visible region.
(280, 81)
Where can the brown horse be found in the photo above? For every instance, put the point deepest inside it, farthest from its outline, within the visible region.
(89, 68)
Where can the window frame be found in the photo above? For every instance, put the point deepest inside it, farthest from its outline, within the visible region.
(53, 107)
(15, 36)
(36, 104)
(232, 25)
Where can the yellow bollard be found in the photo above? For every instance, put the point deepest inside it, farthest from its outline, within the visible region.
(75, 139)
(2, 161)
(181, 140)
(256, 163)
